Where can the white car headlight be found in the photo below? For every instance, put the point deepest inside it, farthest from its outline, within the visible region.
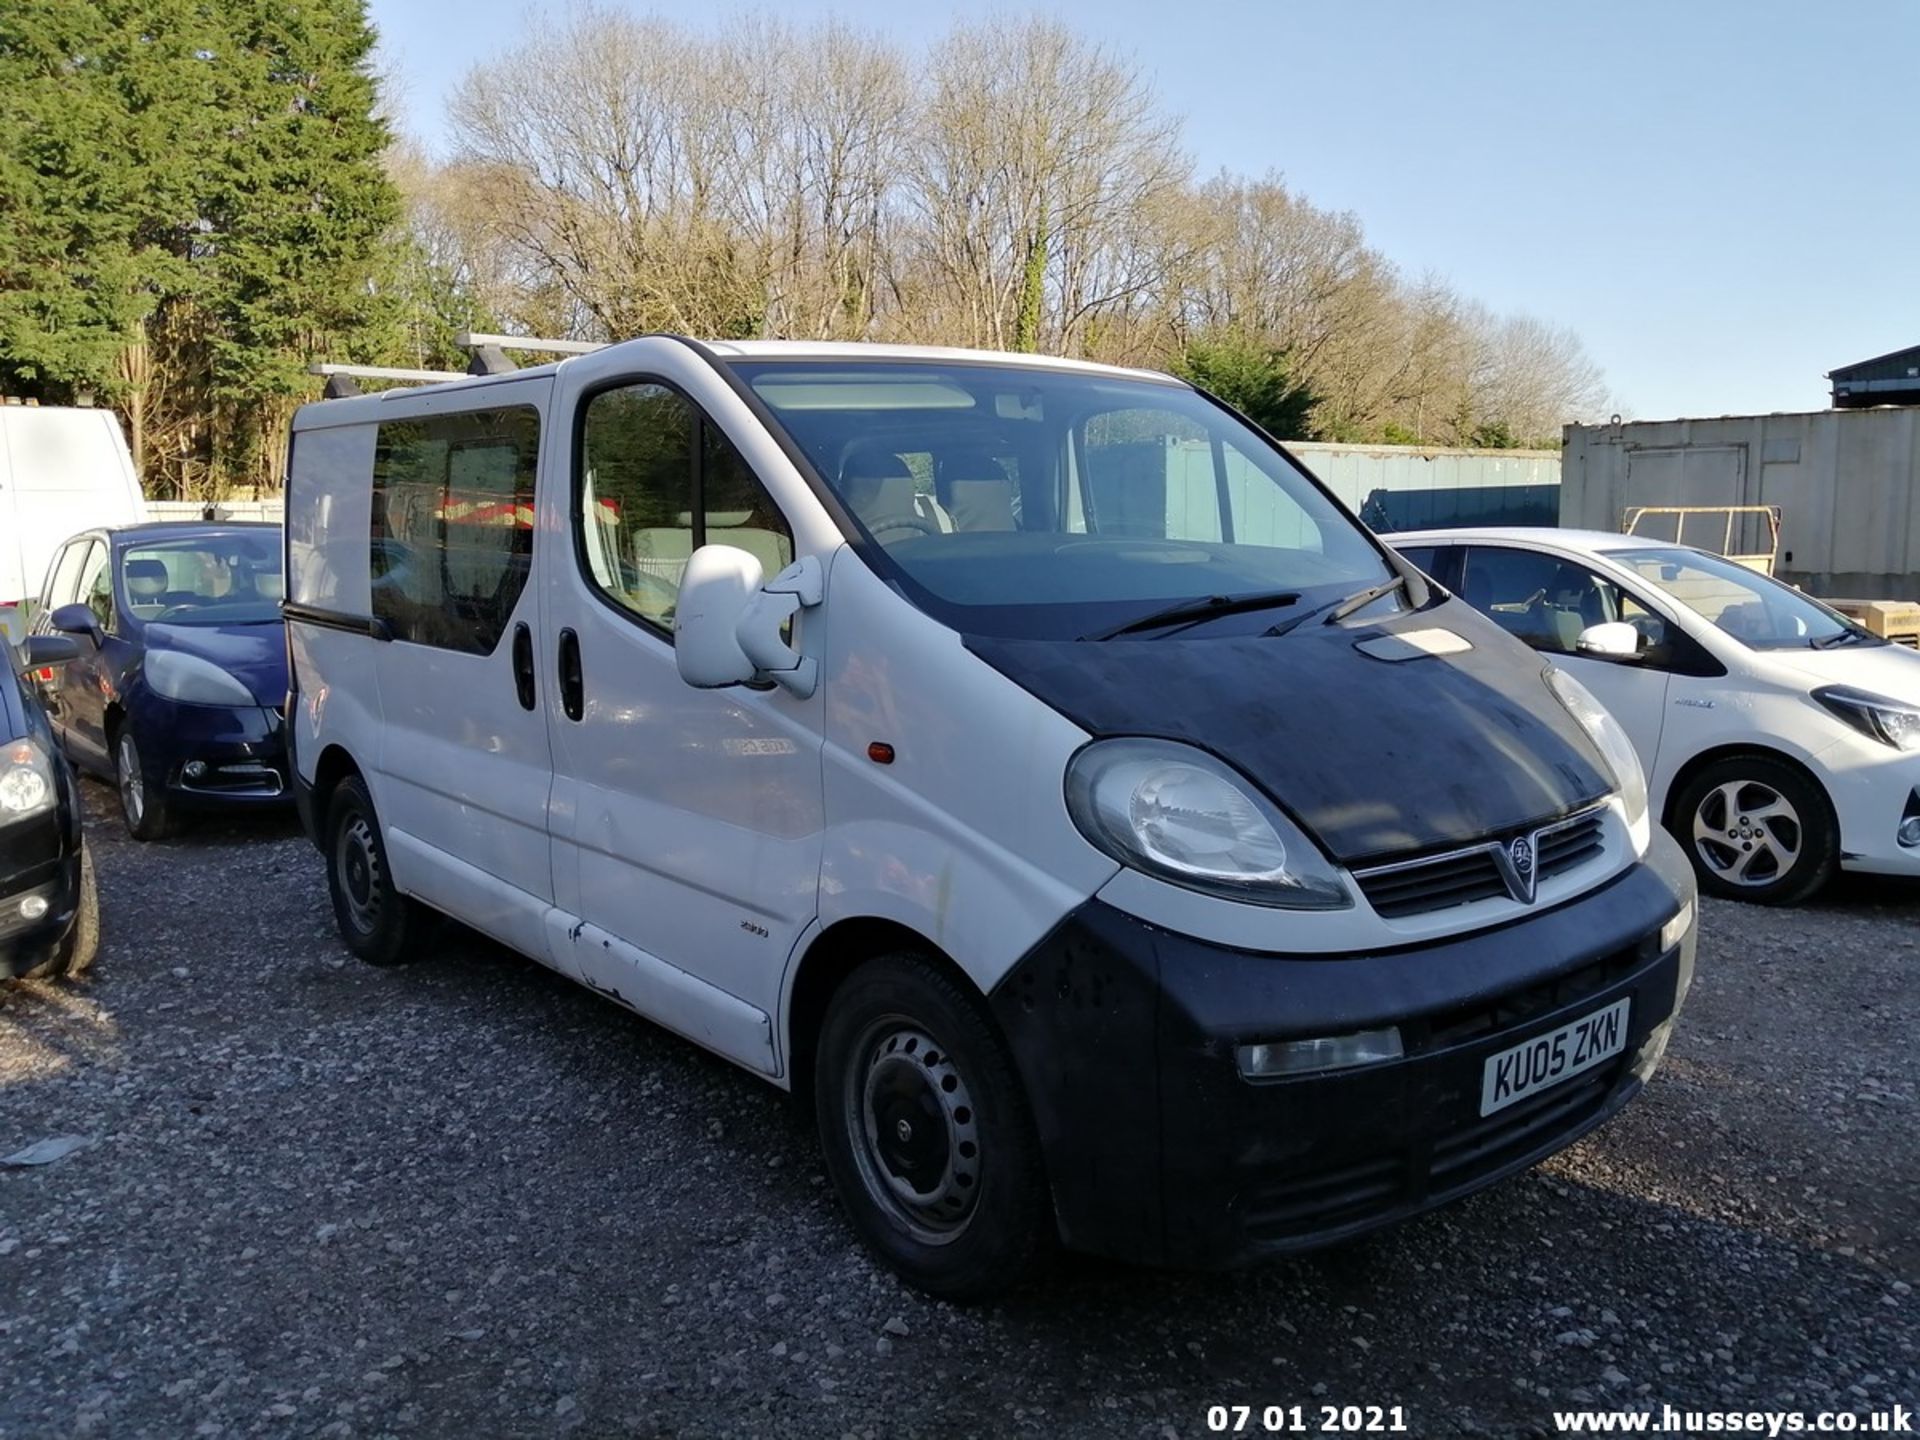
(26, 781)
(193, 681)
(1607, 734)
(1891, 722)
(1179, 814)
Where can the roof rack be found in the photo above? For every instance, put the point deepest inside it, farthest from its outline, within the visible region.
(489, 358)
(340, 378)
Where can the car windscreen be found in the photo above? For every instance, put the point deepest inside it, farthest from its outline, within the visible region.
(1754, 609)
(1053, 503)
(233, 578)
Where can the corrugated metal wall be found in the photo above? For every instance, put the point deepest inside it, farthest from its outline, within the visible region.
(1407, 487)
(1845, 482)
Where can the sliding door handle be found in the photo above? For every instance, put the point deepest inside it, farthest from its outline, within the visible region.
(523, 665)
(573, 689)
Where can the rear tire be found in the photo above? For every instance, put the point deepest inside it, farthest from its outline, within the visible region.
(143, 802)
(74, 954)
(1757, 829)
(378, 924)
(926, 1131)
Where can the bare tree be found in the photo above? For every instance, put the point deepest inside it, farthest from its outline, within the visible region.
(1021, 189)
(1037, 155)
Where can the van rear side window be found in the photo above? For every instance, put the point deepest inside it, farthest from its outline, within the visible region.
(453, 525)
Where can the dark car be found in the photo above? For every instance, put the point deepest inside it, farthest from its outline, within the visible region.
(49, 914)
(182, 675)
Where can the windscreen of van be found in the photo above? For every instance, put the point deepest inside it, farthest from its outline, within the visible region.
(1052, 504)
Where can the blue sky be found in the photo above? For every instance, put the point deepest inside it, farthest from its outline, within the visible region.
(1720, 196)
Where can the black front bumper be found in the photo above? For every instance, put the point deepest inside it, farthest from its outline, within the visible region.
(1158, 1150)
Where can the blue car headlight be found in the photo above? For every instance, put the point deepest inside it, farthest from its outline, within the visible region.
(193, 681)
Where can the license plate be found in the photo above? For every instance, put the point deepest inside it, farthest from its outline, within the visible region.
(1544, 1061)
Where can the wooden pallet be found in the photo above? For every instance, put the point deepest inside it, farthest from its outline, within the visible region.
(1897, 620)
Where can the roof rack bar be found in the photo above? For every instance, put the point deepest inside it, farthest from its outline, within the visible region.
(383, 372)
(473, 340)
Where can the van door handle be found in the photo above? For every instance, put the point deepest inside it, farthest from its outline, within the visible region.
(523, 665)
(573, 690)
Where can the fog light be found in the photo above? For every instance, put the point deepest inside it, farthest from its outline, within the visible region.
(33, 907)
(1910, 831)
(1327, 1052)
(194, 769)
(1675, 930)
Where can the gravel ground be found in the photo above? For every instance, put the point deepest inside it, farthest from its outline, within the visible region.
(469, 1198)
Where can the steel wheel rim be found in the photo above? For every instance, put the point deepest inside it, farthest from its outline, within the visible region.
(356, 864)
(133, 788)
(1747, 833)
(913, 1129)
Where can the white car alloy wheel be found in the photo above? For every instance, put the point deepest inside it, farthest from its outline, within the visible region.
(1747, 833)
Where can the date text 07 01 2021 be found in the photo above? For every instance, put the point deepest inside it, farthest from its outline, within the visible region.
(1307, 1419)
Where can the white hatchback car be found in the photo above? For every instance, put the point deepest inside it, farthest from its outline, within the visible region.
(1781, 741)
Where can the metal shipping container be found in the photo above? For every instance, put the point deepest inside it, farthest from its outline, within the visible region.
(1844, 482)
(1412, 487)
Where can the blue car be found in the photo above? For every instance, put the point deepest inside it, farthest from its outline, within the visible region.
(178, 691)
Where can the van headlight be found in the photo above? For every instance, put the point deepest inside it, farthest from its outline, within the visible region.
(1177, 813)
(193, 681)
(26, 781)
(1607, 734)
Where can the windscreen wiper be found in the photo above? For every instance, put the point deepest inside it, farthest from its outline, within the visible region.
(1842, 637)
(1338, 610)
(1191, 612)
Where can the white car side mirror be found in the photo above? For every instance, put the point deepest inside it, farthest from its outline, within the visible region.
(1611, 640)
(727, 625)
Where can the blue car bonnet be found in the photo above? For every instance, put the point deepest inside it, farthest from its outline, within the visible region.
(255, 655)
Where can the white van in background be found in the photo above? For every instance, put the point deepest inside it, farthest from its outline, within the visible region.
(61, 471)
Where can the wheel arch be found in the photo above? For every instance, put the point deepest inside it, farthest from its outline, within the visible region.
(1738, 750)
(334, 765)
(824, 965)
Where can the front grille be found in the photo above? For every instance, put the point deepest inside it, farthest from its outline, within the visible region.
(1570, 844)
(1518, 1007)
(1481, 872)
(1298, 1207)
(1475, 1149)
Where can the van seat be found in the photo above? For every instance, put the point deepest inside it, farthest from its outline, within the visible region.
(974, 487)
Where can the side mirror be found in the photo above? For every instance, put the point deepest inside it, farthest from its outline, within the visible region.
(42, 651)
(76, 619)
(727, 625)
(1611, 640)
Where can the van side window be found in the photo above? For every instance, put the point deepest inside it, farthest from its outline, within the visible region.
(453, 525)
(657, 480)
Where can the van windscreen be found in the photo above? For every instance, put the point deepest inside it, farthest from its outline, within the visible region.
(1053, 503)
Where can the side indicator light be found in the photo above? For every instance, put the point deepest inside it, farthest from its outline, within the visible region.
(880, 753)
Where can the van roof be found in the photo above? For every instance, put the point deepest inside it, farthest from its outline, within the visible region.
(333, 412)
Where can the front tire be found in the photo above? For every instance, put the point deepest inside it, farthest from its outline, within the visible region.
(143, 794)
(1757, 829)
(379, 924)
(926, 1132)
(74, 955)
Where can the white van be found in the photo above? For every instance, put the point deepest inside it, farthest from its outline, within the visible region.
(61, 471)
(1117, 841)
